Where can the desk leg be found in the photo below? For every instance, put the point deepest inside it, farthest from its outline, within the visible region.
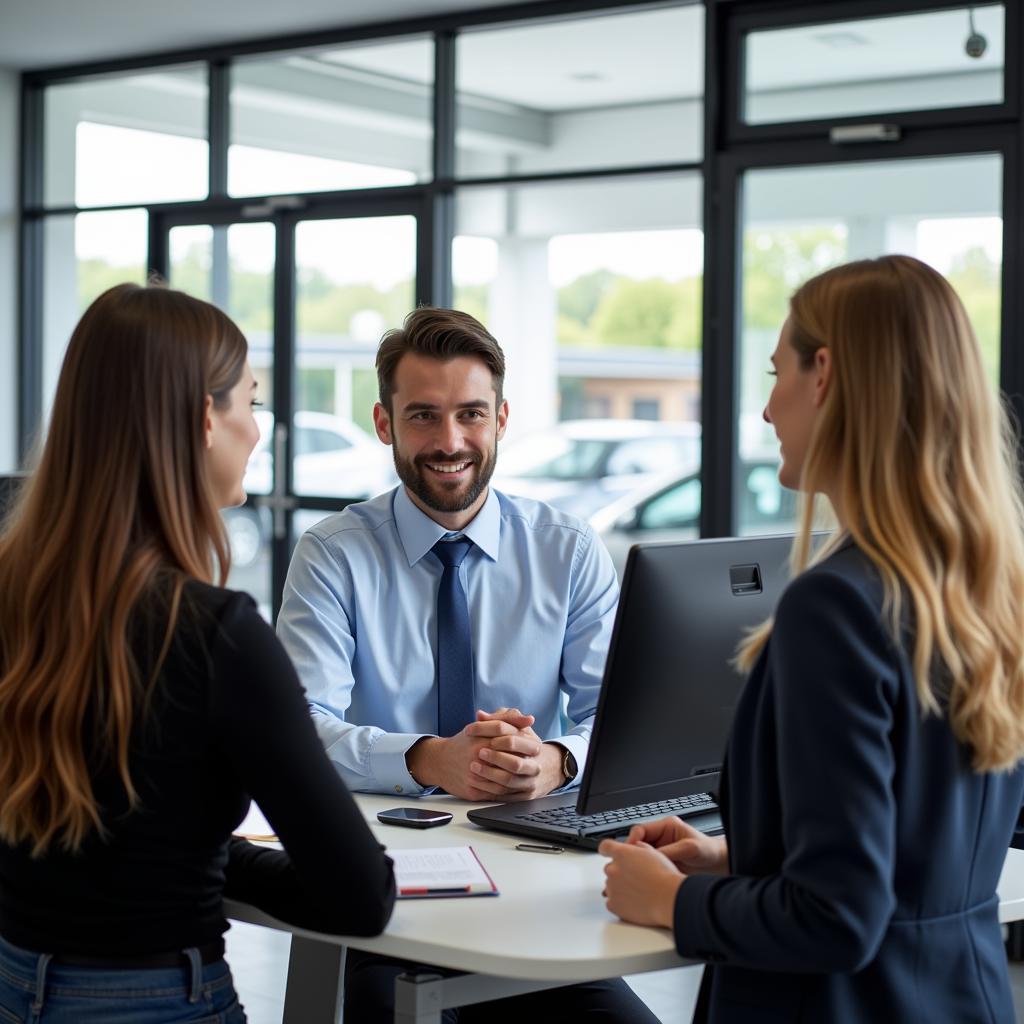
(420, 998)
(316, 972)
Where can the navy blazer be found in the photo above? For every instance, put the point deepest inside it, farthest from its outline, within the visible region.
(864, 852)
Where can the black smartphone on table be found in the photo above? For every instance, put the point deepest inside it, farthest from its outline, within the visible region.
(414, 817)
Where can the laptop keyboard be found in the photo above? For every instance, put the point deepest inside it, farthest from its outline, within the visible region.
(566, 817)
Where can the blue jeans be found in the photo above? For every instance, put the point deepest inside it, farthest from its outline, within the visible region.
(35, 990)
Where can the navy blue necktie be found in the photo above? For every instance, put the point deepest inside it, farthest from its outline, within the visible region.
(455, 708)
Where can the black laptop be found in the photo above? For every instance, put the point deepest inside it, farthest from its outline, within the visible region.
(668, 693)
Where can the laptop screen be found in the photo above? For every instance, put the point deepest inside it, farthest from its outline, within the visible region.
(670, 688)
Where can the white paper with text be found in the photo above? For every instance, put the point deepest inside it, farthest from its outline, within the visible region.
(440, 871)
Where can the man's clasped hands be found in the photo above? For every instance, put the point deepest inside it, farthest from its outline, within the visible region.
(497, 757)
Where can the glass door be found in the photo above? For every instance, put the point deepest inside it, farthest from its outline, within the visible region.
(313, 297)
(796, 221)
(853, 130)
(232, 266)
(355, 278)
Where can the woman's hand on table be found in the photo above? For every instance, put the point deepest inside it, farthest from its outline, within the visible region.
(690, 850)
(640, 883)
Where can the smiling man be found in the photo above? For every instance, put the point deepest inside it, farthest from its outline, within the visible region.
(436, 626)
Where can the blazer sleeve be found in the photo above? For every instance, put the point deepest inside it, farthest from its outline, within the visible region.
(334, 876)
(835, 678)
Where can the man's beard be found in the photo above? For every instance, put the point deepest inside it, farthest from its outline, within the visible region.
(432, 493)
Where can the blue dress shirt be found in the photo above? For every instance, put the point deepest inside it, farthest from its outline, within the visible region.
(359, 621)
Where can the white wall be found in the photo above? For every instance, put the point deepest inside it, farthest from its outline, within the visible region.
(8, 261)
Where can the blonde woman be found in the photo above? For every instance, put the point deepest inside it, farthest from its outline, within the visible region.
(141, 705)
(872, 782)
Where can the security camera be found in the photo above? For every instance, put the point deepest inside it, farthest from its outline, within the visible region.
(976, 43)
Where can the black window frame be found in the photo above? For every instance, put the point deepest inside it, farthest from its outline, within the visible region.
(769, 16)
(729, 148)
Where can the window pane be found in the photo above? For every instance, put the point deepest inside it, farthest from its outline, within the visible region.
(593, 290)
(136, 138)
(233, 267)
(83, 256)
(798, 221)
(249, 533)
(356, 117)
(842, 69)
(610, 91)
(356, 278)
(674, 509)
(191, 260)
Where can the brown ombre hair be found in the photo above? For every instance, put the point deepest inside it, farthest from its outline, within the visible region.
(119, 509)
(912, 444)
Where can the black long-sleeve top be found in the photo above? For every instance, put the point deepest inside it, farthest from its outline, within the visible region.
(225, 720)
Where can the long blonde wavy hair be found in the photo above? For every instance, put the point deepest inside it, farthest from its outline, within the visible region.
(119, 509)
(919, 457)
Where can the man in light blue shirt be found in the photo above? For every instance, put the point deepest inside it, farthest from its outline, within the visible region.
(395, 626)
(359, 613)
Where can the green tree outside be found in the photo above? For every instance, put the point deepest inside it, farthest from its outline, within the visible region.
(604, 309)
(94, 277)
(471, 299)
(976, 278)
(652, 313)
(579, 299)
(777, 261)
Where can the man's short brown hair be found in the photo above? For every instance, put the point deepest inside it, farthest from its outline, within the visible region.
(438, 334)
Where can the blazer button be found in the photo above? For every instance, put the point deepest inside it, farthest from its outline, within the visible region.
(398, 789)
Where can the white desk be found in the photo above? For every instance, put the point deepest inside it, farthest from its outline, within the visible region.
(548, 927)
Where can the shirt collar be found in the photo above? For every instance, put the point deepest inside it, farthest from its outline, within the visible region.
(419, 533)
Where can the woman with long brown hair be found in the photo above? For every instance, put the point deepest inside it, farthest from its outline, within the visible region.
(873, 776)
(141, 705)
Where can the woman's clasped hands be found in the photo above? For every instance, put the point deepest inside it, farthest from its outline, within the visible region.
(643, 874)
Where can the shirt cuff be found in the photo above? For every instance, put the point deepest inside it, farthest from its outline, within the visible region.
(387, 764)
(694, 933)
(578, 747)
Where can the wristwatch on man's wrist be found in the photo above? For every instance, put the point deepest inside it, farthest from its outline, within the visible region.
(569, 767)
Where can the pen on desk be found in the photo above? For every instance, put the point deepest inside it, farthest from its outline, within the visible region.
(423, 891)
(538, 848)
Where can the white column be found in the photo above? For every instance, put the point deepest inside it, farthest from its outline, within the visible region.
(866, 236)
(343, 389)
(522, 318)
(901, 236)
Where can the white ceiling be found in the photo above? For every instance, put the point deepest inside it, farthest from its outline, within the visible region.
(576, 63)
(922, 44)
(44, 33)
(569, 64)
